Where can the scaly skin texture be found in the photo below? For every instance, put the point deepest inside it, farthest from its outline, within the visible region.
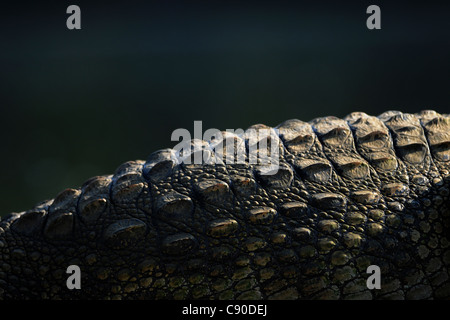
(349, 193)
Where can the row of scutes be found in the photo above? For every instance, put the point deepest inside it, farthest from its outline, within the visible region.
(370, 135)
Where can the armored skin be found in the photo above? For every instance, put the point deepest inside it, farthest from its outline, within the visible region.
(349, 193)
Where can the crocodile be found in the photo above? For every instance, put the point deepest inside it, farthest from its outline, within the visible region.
(348, 194)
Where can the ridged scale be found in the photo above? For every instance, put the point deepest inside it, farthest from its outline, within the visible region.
(348, 193)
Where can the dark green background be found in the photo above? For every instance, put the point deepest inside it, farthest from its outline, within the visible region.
(75, 104)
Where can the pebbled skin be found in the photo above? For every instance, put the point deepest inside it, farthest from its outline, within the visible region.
(350, 193)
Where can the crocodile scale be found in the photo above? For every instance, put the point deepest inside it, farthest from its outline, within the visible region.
(349, 193)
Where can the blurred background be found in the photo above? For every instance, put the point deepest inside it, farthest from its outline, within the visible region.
(78, 103)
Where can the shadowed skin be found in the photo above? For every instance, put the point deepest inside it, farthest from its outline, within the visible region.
(349, 193)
